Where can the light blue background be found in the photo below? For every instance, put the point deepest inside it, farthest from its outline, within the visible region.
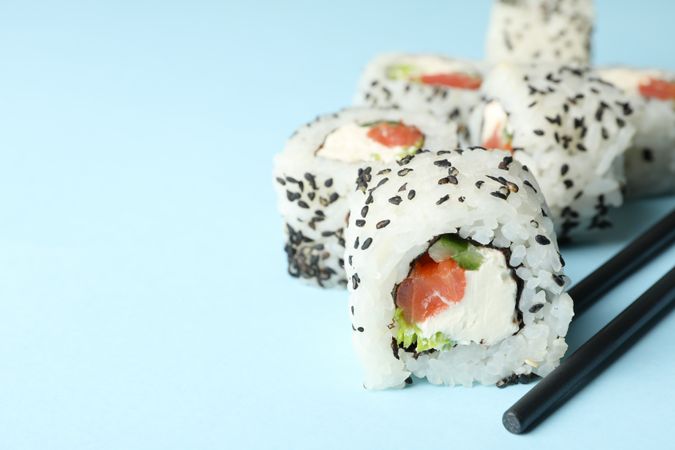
(143, 297)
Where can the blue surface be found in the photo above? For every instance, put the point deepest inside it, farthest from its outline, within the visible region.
(143, 299)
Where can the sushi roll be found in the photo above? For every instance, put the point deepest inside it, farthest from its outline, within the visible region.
(454, 272)
(544, 31)
(445, 87)
(650, 162)
(315, 173)
(570, 128)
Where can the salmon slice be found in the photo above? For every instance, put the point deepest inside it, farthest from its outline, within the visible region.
(452, 80)
(430, 288)
(655, 88)
(396, 134)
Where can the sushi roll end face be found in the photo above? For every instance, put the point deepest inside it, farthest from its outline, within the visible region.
(650, 161)
(454, 272)
(456, 293)
(447, 88)
(315, 173)
(375, 141)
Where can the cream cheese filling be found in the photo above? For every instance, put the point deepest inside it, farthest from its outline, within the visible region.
(487, 312)
(350, 143)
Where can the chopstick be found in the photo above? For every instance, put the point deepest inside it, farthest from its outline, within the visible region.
(586, 292)
(592, 357)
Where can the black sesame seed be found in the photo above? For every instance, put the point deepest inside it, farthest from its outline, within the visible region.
(498, 195)
(581, 147)
(504, 165)
(360, 329)
(528, 184)
(461, 199)
(311, 179)
(396, 200)
(568, 183)
(381, 224)
(554, 120)
(381, 182)
(384, 171)
(534, 308)
(479, 183)
(403, 187)
(564, 169)
(647, 155)
(281, 181)
(333, 197)
(599, 113)
(366, 243)
(539, 132)
(405, 160)
(328, 183)
(411, 194)
(356, 242)
(442, 199)
(292, 196)
(500, 180)
(364, 211)
(620, 122)
(404, 172)
(303, 204)
(360, 222)
(541, 239)
(442, 163)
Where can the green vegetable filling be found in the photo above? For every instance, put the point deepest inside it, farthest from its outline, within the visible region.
(462, 251)
(401, 72)
(408, 334)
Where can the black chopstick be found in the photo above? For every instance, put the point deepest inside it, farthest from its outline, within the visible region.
(592, 357)
(632, 257)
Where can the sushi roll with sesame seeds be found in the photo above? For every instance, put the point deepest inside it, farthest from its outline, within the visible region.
(570, 128)
(454, 272)
(315, 173)
(650, 162)
(542, 31)
(443, 86)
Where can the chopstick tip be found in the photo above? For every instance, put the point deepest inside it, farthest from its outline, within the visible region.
(512, 422)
